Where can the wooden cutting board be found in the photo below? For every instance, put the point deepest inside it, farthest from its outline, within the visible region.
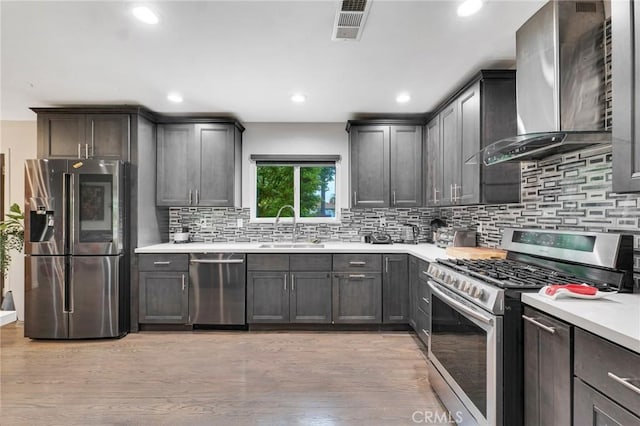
(476, 253)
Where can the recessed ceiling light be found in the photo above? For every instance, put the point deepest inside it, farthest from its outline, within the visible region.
(145, 14)
(403, 98)
(298, 98)
(469, 7)
(175, 97)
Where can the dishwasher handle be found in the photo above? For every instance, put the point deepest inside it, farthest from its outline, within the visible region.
(216, 261)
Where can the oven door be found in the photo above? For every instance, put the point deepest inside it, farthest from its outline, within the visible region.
(466, 349)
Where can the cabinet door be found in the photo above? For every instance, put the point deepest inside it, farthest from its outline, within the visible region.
(434, 163)
(268, 297)
(310, 297)
(590, 407)
(406, 166)
(468, 189)
(175, 174)
(547, 370)
(413, 291)
(395, 289)
(107, 137)
(61, 135)
(625, 39)
(370, 166)
(216, 160)
(164, 297)
(450, 153)
(357, 298)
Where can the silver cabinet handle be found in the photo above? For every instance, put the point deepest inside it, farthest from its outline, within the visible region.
(216, 261)
(394, 198)
(285, 282)
(357, 263)
(197, 197)
(539, 325)
(79, 152)
(93, 141)
(386, 264)
(435, 194)
(425, 332)
(86, 150)
(624, 381)
(162, 263)
(182, 282)
(293, 282)
(426, 300)
(357, 276)
(355, 197)
(459, 306)
(190, 197)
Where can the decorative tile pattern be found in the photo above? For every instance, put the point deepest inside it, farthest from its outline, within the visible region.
(569, 192)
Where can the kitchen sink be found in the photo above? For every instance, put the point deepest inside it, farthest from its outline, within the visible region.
(291, 245)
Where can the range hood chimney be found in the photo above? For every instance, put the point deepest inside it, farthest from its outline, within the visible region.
(560, 59)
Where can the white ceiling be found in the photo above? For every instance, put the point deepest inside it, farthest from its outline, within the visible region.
(246, 58)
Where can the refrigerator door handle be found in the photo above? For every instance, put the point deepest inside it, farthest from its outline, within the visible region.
(66, 207)
(66, 288)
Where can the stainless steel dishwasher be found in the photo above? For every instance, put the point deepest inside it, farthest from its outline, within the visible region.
(217, 288)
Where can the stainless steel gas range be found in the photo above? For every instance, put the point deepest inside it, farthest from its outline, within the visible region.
(475, 347)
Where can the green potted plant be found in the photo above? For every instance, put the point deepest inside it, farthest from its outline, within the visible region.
(11, 238)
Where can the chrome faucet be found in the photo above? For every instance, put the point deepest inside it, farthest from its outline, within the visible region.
(293, 231)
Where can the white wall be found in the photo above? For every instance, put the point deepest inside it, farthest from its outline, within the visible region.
(295, 138)
(18, 143)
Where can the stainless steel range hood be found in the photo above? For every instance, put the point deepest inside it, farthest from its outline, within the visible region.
(560, 84)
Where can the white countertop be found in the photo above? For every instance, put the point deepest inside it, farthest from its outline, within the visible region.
(615, 317)
(428, 252)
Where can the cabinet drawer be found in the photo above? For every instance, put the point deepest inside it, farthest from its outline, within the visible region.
(604, 365)
(423, 327)
(163, 262)
(424, 296)
(310, 262)
(357, 262)
(268, 262)
(590, 407)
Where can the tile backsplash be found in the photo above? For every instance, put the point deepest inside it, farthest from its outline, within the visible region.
(572, 191)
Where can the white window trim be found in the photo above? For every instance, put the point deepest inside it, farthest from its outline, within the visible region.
(253, 175)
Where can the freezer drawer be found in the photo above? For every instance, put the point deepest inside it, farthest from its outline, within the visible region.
(217, 289)
(45, 310)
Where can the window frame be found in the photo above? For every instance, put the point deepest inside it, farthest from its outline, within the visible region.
(296, 191)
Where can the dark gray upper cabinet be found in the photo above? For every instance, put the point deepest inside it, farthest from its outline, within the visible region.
(395, 289)
(198, 165)
(83, 135)
(625, 39)
(433, 163)
(386, 164)
(547, 370)
(369, 166)
(475, 116)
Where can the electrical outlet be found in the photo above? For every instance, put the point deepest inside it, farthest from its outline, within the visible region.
(383, 221)
(239, 223)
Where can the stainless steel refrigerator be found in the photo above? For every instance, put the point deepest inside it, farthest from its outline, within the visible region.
(75, 269)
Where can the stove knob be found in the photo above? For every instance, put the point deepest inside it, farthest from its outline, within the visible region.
(466, 286)
(448, 279)
(479, 293)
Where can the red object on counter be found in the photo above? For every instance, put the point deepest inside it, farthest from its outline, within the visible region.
(573, 288)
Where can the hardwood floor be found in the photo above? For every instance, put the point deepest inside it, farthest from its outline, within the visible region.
(215, 378)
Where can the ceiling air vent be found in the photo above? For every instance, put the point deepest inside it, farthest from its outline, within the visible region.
(350, 18)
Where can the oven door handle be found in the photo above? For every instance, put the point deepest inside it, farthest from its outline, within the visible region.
(459, 306)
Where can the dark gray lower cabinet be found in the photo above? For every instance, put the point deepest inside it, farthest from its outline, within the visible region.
(547, 370)
(164, 297)
(268, 296)
(310, 297)
(413, 290)
(357, 298)
(590, 407)
(395, 289)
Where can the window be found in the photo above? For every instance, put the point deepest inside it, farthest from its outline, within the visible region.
(309, 186)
